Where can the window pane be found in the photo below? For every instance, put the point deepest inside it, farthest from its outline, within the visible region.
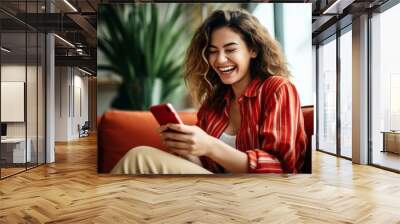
(386, 89)
(327, 97)
(346, 94)
(14, 150)
(31, 97)
(41, 98)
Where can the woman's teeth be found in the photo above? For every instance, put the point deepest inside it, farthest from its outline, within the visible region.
(227, 69)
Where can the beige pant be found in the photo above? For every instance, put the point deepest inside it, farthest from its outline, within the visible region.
(150, 160)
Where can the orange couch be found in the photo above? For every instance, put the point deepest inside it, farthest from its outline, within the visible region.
(119, 131)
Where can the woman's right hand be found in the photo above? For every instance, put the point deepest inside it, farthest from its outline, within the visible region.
(187, 139)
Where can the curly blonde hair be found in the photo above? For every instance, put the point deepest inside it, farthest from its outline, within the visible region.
(203, 82)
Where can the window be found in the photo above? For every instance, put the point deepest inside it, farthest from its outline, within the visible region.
(385, 89)
(346, 94)
(327, 96)
(22, 65)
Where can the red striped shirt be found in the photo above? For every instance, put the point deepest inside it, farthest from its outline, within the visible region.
(272, 130)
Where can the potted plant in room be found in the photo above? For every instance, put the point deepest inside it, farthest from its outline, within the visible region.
(145, 46)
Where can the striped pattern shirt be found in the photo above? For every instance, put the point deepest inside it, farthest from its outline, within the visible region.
(272, 129)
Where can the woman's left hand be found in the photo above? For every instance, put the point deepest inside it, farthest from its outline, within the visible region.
(186, 140)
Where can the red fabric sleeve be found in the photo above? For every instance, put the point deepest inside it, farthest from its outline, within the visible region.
(284, 139)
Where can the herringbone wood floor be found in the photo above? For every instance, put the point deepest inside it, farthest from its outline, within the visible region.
(70, 191)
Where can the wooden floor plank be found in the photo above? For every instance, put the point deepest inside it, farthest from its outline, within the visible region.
(71, 191)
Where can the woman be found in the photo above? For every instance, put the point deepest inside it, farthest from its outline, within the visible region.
(250, 120)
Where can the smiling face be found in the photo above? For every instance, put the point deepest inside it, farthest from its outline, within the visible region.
(229, 56)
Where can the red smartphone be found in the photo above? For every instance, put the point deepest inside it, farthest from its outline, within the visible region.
(165, 113)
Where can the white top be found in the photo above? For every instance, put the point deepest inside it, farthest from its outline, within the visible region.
(228, 139)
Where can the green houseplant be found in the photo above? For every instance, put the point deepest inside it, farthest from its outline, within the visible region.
(143, 44)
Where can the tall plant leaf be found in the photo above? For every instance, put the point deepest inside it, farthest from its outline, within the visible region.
(140, 48)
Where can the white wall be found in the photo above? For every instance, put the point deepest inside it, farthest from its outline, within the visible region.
(80, 98)
(71, 93)
(15, 72)
(62, 80)
(33, 127)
